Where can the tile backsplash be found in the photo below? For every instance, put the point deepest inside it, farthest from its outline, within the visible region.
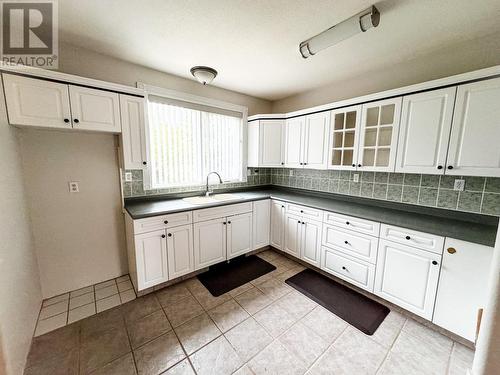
(481, 194)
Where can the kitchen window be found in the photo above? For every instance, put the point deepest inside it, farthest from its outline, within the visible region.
(187, 140)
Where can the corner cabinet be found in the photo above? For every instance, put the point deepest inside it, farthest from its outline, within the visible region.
(266, 143)
(46, 104)
(133, 137)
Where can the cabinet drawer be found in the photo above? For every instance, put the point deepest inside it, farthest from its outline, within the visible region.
(355, 244)
(306, 212)
(350, 269)
(425, 241)
(353, 223)
(222, 211)
(163, 221)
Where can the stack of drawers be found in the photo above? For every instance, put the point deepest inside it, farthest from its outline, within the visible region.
(349, 248)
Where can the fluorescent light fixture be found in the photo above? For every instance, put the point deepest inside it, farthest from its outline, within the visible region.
(204, 74)
(358, 23)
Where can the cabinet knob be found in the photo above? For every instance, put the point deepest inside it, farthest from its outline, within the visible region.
(347, 223)
(282, 163)
(451, 250)
(354, 165)
(305, 163)
(298, 221)
(144, 162)
(282, 206)
(345, 269)
(76, 121)
(162, 236)
(165, 222)
(303, 223)
(229, 222)
(301, 211)
(407, 237)
(170, 234)
(224, 223)
(439, 167)
(346, 242)
(434, 262)
(359, 165)
(66, 120)
(450, 167)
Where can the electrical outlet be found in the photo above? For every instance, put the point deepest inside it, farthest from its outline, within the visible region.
(355, 177)
(290, 172)
(459, 185)
(128, 176)
(73, 187)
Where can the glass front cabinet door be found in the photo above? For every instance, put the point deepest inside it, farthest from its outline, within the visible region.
(378, 135)
(344, 134)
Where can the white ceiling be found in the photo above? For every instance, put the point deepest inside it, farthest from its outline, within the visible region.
(254, 43)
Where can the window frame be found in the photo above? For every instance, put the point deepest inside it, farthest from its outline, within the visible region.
(195, 99)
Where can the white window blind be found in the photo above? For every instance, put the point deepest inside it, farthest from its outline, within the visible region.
(187, 141)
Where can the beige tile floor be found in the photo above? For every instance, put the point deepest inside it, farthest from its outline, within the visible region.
(67, 308)
(264, 327)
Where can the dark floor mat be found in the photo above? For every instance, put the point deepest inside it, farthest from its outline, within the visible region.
(353, 307)
(224, 277)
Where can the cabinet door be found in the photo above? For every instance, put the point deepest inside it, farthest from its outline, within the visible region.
(35, 102)
(180, 251)
(133, 131)
(475, 134)
(315, 143)
(277, 224)
(408, 277)
(261, 223)
(209, 242)
(344, 137)
(151, 259)
(294, 147)
(96, 110)
(271, 143)
(379, 135)
(425, 131)
(462, 286)
(293, 231)
(239, 235)
(310, 242)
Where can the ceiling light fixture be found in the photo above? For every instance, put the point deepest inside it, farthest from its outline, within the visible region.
(203, 74)
(358, 23)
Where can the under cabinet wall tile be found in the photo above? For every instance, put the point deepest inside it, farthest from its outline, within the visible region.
(491, 204)
(428, 196)
(492, 185)
(447, 198)
(469, 201)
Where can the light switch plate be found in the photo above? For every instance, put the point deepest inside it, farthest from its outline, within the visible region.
(459, 185)
(73, 187)
(355, 177)
(128, 176)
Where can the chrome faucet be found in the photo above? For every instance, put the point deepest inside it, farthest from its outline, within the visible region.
(208, 192)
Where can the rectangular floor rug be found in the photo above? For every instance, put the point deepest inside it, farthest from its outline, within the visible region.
(224, 277)
(349, 305)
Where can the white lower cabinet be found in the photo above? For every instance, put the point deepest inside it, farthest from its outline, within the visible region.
(408, 277)
(151, 259)
(261, 223)
(277, 224)
(310, 242)
(462, 286)
(209, 242)
(348, 268)
(293, 229)
(239, 235)
(180, 251)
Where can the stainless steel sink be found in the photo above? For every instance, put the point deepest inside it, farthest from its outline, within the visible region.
(211, 199)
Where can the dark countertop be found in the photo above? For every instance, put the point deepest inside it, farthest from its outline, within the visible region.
(470, 227)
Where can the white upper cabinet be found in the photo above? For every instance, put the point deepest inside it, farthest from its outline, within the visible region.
(271, 148)
(475, 136)
(36, 102)
(315, 140)
(96, 110)
(306, 141)
(133, 131)
(424, 132)
(294, 133)
(378, 135)
(344, 137)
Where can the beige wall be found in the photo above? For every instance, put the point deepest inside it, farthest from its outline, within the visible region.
(479, 53)
(20, 294)
(79, 237)
(75, 60)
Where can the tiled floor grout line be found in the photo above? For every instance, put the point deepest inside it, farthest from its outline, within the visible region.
(391, 346)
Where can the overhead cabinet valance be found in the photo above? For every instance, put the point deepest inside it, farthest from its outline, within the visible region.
(453, 131)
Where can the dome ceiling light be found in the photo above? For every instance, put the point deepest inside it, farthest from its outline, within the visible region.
(203, 74)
